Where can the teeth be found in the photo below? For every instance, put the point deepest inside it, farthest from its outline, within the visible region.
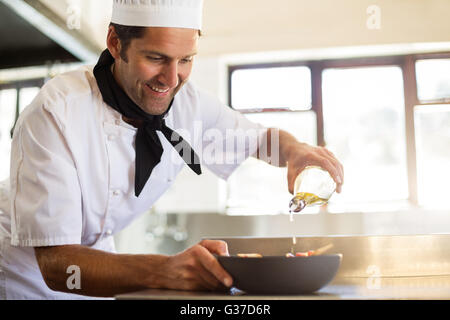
(159, 90)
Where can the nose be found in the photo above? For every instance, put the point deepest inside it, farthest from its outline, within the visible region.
(169, 75)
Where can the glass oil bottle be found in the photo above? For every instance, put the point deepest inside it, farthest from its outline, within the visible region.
(313, 186)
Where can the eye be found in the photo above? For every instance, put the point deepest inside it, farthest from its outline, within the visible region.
(154, 58)
(186, 60)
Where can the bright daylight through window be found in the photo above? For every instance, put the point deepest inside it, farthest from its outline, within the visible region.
(432, 125)
(364, 126)
(363, 112)
(288, 87)
(432, 132)
(433, 80)
(7, 116)
(8, 110)
(256, 187)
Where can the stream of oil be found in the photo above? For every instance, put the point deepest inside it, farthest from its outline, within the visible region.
(309, 199)
(294, 240)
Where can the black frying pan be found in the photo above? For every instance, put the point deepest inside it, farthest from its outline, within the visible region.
(281, 275)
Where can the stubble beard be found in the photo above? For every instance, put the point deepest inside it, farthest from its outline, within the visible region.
(161, 104)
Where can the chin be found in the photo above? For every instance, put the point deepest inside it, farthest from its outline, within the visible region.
(158, 108)
(155, 111)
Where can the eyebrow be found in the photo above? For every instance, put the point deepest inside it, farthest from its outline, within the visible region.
(152, 52)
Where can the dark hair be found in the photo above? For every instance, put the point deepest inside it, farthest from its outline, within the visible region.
(128, 33)
(125, 35)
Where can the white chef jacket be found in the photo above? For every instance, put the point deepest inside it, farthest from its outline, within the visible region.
(72, 173)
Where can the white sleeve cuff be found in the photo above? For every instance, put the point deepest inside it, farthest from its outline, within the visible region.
(46, 242)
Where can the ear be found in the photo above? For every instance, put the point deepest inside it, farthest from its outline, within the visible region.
(113, 43)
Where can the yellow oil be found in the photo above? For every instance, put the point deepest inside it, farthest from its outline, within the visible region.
(303, 199)
(310, 199)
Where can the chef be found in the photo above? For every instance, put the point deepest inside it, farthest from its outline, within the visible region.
(99, 145)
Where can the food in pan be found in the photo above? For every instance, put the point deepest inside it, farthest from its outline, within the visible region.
(289, 255)
(308, 253)
(301, 254)
(249, 255)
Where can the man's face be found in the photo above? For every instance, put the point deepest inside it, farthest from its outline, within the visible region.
(159, 64)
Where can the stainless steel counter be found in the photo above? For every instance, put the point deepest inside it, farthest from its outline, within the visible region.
(414, 288)
(373, 267)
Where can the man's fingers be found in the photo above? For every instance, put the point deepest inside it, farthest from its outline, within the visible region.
(338, 165)
(334, 167)
(334, 172)
(292, 176)
(218, 247)
(211, 282)
(211, 264)
(205, 280)
(315, 156)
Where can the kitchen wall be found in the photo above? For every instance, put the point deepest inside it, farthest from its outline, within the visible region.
(236, 26)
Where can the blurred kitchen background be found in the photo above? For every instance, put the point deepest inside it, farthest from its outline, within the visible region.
(369, 79)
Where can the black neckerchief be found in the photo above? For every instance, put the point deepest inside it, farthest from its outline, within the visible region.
(148, 146)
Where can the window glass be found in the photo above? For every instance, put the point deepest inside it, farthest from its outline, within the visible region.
(26, 96)
(433, 79)
(8, 100)
(364, 126)
(432, 127)
(286, 87)
(259, 188)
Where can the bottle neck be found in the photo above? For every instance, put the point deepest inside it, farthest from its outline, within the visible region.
(297, 205)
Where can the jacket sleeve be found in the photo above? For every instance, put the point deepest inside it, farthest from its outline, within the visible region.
(45, 191)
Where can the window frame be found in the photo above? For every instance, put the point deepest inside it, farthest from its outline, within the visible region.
(407, 63)
(19, 85)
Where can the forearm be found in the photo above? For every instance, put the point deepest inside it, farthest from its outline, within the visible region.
(101, 274)
(276, 147)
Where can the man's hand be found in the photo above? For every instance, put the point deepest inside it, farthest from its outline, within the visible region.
(302, 155)
(104, 274)
(197, 269)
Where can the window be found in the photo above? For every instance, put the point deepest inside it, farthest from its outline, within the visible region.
(14, 98)
(432, 126)
(386, 118)
(8, 101)
(255, 187)
(433, 80)
(432, 135)
(288, 87)
(26, 96)
(364, 125)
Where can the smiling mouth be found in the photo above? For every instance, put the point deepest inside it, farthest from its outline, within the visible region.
(158, 90)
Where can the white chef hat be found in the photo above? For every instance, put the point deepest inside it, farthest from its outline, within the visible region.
(158, 13)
